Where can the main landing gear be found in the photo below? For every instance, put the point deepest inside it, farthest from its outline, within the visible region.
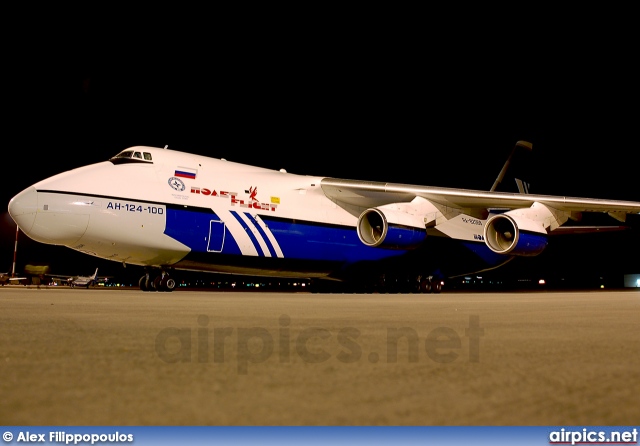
(157, 281)
(430, 285)
(386, 284)
(390, 283)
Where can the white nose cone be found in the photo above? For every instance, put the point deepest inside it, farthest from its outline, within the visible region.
(23, 208)
(57, 219)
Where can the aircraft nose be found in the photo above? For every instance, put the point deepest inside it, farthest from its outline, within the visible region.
(23, 208)
(48, 217)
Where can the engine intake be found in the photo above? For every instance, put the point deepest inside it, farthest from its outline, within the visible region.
(391, 229)
(503, 235)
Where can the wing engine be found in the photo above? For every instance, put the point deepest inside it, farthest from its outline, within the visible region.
(396, 225)
(503, 235)
(522, 232)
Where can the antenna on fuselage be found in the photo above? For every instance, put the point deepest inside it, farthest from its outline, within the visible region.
(166, 147)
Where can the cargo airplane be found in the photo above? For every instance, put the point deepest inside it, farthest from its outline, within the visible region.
(171, 211)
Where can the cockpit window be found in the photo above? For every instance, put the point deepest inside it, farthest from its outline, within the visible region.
(131, 156)
(125, 154)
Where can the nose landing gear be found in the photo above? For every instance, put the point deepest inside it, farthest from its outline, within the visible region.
(157, 281)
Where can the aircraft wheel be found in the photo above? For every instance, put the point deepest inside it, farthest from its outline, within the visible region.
(165, 283)
(168, 283)
(156, 284)
(436, 285)
(143, 283)
(425, 285)
(153, 282)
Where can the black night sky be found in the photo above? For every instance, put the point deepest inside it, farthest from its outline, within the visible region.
(381, 109)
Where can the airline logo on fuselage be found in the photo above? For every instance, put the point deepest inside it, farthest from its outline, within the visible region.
(250, 202)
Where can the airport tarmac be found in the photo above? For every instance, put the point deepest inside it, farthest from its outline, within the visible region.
(133, 358)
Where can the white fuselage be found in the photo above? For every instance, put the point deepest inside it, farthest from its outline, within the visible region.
(127, 212)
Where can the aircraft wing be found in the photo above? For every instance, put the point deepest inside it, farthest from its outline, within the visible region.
(356, 196)
(5, 278)
(61, 276)
(70, 277)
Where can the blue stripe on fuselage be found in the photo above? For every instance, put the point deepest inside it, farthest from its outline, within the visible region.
(191, 227)
(297, 239)
(263, 234)
(489, 258)
(251, 235)
(318, 241)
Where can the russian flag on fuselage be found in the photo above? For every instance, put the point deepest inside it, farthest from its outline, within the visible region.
(186, 172)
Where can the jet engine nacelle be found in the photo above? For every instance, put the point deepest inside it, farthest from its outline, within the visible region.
(388, 227)
(515, 235)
